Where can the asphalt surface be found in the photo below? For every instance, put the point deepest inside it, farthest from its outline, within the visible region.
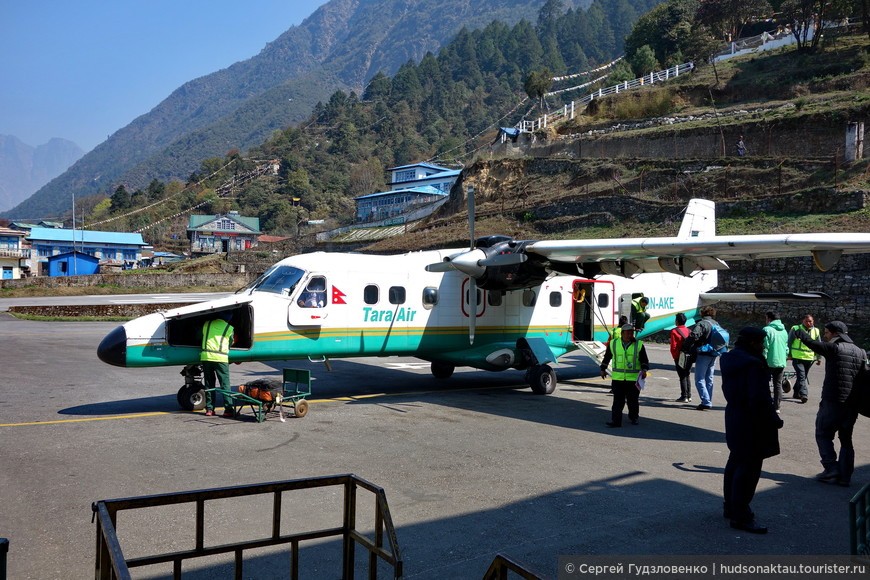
(473, 466)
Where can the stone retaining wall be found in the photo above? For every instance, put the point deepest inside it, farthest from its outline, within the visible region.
(171, 280)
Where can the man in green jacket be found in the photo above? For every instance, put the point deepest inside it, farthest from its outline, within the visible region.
(775, 352)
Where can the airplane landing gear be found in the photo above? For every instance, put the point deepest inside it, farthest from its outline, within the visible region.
(191, 397)
(441, 370)
(542, 379)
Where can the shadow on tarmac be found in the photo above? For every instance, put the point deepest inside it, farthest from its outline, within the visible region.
(627, 514)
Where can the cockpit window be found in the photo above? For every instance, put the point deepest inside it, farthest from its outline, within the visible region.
(278, 280)
(314, 295)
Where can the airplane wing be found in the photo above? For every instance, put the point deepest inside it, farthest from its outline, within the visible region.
(705, 253)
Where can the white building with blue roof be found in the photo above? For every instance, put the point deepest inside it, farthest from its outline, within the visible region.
(111, 248)
(411, 186)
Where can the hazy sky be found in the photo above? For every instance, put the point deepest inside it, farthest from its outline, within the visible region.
(82, 69)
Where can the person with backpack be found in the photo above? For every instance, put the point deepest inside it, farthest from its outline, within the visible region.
(844, 360)
(707, 341)
(682, 361)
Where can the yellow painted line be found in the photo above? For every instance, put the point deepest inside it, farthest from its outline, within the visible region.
(58, 421)
(337, 399)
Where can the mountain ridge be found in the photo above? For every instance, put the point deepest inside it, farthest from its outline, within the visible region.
(24, 168)
(333, 44)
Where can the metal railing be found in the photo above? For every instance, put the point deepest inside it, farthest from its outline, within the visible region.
(111, 564)
(501, 565)
(4, 549)
(859, 526)
(571, 109)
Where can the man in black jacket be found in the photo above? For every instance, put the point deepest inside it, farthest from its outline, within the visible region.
(837, 413)
(751, 425)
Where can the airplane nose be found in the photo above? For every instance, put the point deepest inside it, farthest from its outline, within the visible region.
(113, 348)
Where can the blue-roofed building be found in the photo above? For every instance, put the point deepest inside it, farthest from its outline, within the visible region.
(420, 174)
(411, 186)
(73, 264)
(110, 248)
(12, 253)
(210, 234)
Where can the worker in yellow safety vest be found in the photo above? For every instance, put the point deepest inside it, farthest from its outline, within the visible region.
(217, 336)
(639, 315)
(802, 357)
(630, 365)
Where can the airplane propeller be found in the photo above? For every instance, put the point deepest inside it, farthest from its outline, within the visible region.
(474, 262)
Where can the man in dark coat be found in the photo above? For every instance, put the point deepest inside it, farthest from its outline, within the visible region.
(751, 425)
(837, 413)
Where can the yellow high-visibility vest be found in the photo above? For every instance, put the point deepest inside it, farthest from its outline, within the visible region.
(798, 350)
(216, 335)
(625, 364)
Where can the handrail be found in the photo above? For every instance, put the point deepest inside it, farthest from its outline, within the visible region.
(568, 111)
(859, 525)
(502, 564)
(111, 564)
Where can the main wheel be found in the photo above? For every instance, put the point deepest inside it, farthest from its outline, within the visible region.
(542, 379)
(786, 386)
(191, 397)
(301, 408)
(442, 370)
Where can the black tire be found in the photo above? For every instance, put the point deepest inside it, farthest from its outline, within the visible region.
(301, 408)
(191, 397)
(786, 386)
(542, 379)
(442, 370)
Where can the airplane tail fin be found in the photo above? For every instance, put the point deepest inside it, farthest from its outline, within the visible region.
(699, 221)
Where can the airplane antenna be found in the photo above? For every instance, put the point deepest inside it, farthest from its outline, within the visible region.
(472, 283)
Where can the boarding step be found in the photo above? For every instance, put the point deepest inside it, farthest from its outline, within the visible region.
(592, 348)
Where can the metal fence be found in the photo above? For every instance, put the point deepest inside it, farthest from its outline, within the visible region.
(569, 110)
(110, 562)
(859, 526)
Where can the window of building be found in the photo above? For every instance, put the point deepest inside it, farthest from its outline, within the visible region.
(397, 295)
(129, 254)
(44, 251)
(407, 175)
(555, 299)
(90, 251)
(8, 243)
(529, 298)
(226, 224)
(109, 254)
(65, 249)
(371, 294)
(430, 297)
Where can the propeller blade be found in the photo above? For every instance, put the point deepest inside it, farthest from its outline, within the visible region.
(504, 260)
(440, 267)
(472, 306)
(471, 215)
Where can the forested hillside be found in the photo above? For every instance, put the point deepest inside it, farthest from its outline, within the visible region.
(434, 109)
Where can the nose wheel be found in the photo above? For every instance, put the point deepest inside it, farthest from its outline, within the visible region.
(191, 397)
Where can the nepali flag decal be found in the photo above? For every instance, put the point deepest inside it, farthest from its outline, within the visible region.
(338, 296)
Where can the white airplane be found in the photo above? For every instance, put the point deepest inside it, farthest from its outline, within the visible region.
(502, 304)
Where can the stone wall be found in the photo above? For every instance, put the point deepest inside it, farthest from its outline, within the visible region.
(179, 280)
(848, 283)
(804, 137)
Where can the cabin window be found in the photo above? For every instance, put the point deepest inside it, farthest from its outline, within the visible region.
(397, 295)
(430, 297)
(468, 295)
(555, 299)
(494, 298)
(529, 298)
(603, 300)
(371, 294)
